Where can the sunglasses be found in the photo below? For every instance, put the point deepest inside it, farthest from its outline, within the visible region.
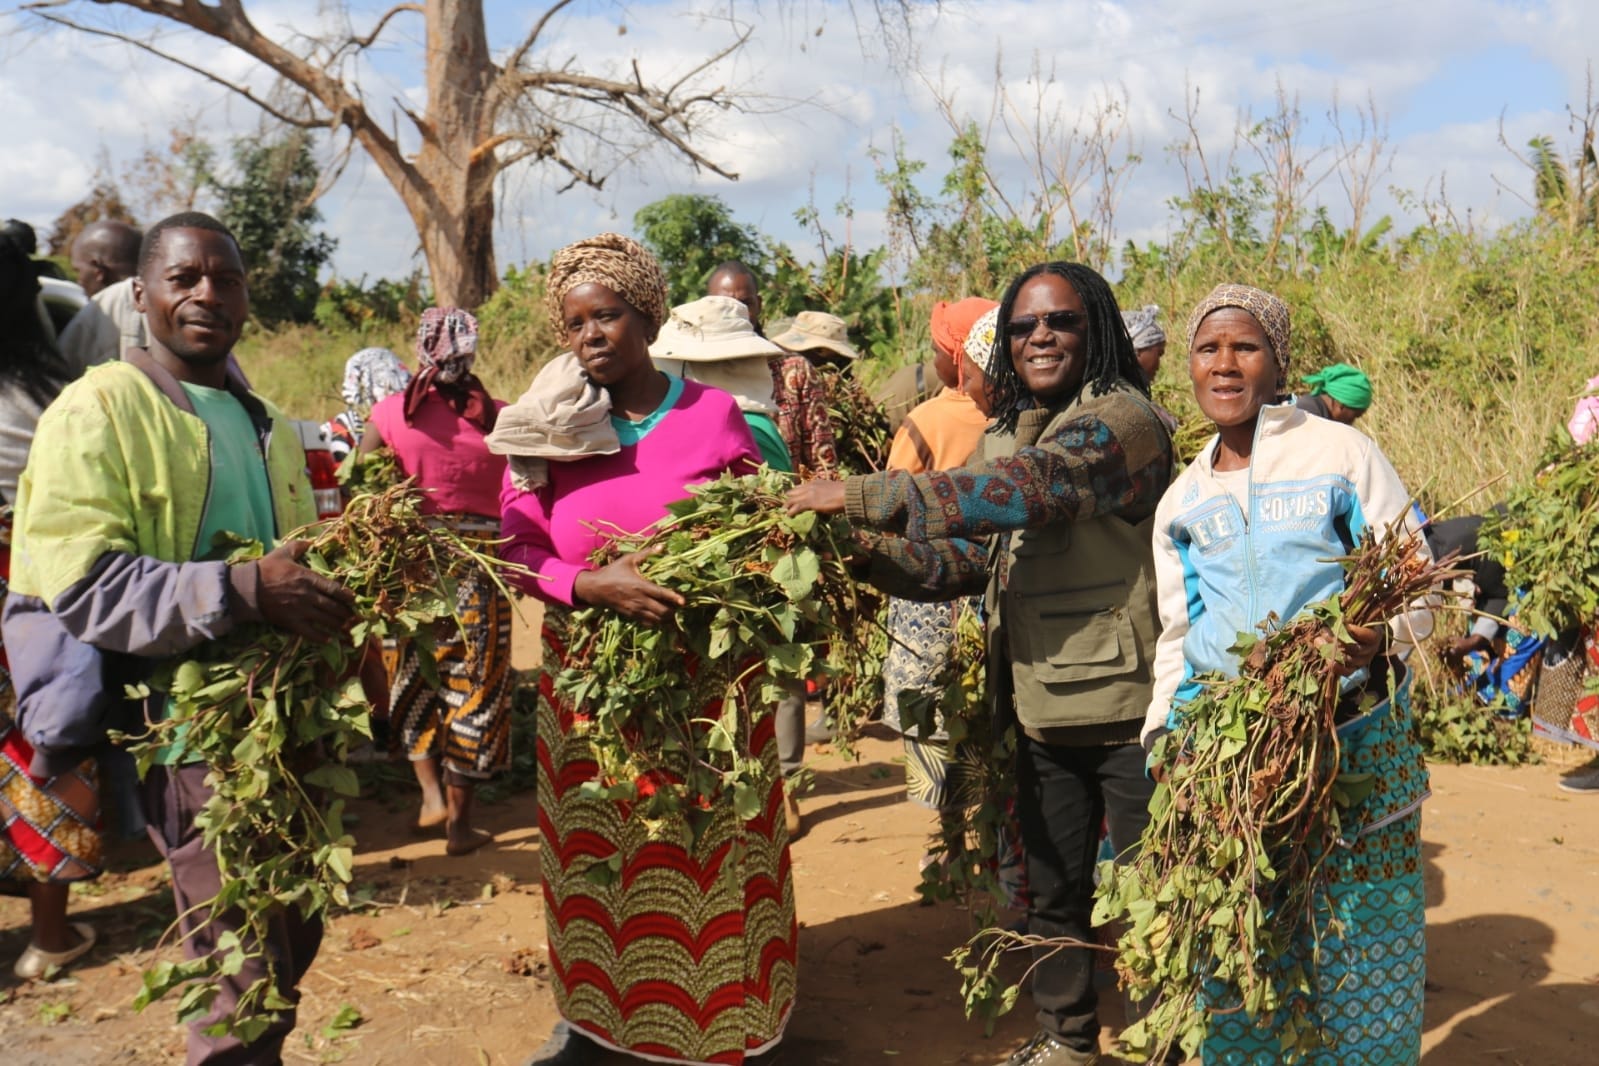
(1057, 321)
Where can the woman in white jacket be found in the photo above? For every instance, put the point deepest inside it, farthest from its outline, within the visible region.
(1252, 529)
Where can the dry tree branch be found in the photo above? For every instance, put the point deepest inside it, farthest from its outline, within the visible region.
(360, 44)
(217, 79)
(518, 54)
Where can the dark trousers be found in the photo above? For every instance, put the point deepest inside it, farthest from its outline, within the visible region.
(1064, 795)
(172, 797)
(791, 727)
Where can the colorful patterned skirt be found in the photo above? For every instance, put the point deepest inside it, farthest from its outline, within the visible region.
(670, 947)
(465, 720)
(49, 828)
(921, 652)
(1371, 961)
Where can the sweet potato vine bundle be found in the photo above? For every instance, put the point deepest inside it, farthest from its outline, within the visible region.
(1230, 870)
(1547, 536)
(765, 593)
(274, 717)
(983, 749)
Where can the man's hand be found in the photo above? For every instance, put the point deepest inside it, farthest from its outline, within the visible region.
(620, 587)
(823, 497)
(295, 599)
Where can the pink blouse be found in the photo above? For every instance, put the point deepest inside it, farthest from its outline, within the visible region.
(445, 453)
(555, 530)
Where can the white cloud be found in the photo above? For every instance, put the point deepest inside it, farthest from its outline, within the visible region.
(1233, 53)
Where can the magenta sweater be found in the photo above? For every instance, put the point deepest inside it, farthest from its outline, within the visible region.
(554, 530)
(445, 453)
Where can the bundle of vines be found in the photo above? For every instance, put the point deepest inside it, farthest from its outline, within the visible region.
(274, 717)
(670, 709)
(860, 425)
(969, 840)
(855, 688)
(1229, 875)
(1547, 535)
(1452, 723)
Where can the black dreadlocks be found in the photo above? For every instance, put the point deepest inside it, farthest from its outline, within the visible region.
(1111, 358)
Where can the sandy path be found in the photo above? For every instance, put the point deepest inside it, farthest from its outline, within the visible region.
(1513, 912)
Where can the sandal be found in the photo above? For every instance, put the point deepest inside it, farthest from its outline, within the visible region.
(36, 962)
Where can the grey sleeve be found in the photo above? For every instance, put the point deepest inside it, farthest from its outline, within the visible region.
(143, 606)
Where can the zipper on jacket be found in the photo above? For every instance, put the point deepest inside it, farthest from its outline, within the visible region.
(264, 442)
(1249, 524)
(210, 478)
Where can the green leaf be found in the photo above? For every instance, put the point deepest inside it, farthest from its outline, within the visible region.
(346, 1018)
(797, 573)
(336, 778)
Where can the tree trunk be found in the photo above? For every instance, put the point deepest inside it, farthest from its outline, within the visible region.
(454, 208)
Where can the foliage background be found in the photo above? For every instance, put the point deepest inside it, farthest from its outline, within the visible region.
(1476, 342)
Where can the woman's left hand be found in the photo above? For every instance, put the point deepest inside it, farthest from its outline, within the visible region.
(1363, 645)
(823, 497)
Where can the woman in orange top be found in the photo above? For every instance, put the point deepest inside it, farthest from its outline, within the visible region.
(939, 434)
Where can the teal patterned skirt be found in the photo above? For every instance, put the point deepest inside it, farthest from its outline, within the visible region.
(1372, 959)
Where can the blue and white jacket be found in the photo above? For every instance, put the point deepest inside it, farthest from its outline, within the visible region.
(1221, 569)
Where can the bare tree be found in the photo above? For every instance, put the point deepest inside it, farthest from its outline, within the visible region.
(483, 112)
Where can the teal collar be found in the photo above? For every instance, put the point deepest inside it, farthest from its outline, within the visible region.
(629, 432)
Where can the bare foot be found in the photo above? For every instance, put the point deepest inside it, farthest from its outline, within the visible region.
(430, 820)
(467, 841)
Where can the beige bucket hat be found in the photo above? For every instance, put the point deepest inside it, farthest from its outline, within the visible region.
(711, 341)
(817, 329)
(710, 330)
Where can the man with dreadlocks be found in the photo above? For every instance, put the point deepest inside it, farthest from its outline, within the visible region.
(1066, 491)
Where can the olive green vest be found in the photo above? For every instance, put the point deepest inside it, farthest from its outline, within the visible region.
(1072, 605)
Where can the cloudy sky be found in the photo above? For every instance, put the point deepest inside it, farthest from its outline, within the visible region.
(1445, 76)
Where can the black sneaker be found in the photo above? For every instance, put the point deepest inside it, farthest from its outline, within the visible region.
(1584, 781)
(565, 1047)
(1045, 1050)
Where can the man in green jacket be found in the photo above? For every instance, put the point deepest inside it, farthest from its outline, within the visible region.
(135, 472)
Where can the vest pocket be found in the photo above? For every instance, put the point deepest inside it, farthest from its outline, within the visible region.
(1076, 634)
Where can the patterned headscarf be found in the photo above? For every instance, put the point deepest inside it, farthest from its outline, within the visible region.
(446, 348)
(979, 346)
(446, 341)
(370, 375)
(1268, 310)
(1143, 326)
(621, 264)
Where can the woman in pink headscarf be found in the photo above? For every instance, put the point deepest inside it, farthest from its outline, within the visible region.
(436, 430)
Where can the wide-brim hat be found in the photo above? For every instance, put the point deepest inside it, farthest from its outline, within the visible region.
(710, 330)
(817, 329)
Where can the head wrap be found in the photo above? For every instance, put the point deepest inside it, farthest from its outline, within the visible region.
(979, 346)
(370, 375)
(446, 348)
(1344, 383)
(1143, 326)
(1268, 310)
(951, 322)
(621, 264)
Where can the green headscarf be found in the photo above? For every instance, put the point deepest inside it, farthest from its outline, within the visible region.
(1344, 383)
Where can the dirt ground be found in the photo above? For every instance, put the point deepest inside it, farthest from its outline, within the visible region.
(444, 963)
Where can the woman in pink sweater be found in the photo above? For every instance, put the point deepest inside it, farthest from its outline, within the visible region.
(457, 731)
(689, 956)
